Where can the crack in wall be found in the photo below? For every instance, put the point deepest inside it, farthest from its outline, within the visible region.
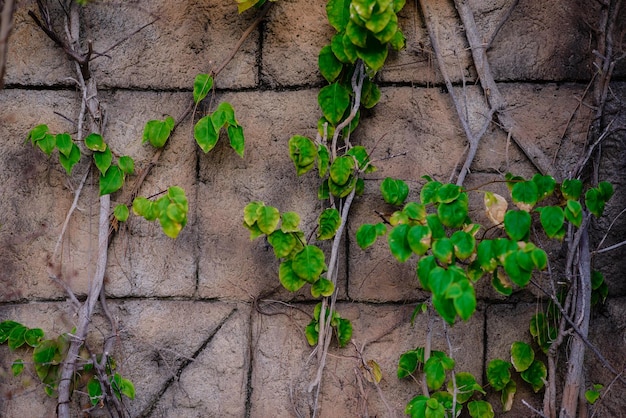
(148, 410)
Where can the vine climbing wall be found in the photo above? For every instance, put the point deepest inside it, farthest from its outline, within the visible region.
(204, 327)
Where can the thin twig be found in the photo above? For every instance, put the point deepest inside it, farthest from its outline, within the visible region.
(503, 20)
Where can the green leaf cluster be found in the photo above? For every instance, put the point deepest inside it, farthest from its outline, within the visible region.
(523, 361)
(170, 210)
(69, 153)
(366, 29)
(207, 129)
(436, 369)
(47, 356)
(342, 327)
(111, 175)
(301, 263)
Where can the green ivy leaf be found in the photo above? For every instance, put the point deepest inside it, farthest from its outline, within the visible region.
(309, 263)
(267, 218)
(342, 191)
(336, 44)
(33, 336)
(498, 373)
(157, 132)
(95, 142)
(322, 287)
(205, 134)
(338, 12)
(508, 393)
(38, 133)
(344, 332)
(103, 160)
(364, 8)
(593, 395)
(545, 185)
(250, 212)
(464, 244)
(201, 86)
(480, 409)
(522, 356)
(465, 302)
(111, 181)
(16, 337)
(145, 208)
(311, 332)
(323, 159)
(126, 164)
(237, 141)
(283, 243)
(536, 375)
(572, 189)
(302, 152)
(518, 275)
(370, 94)
(415, 211)
(419, 238)
(356, 34)
(341, 169)
(466, 385)
(443, 249)
(407, 364)
(501, 284)
(394, 191)
(389, 32)
(47, 144)
(485, 255)
(290, 222)
(362, 157)
(329, 65)
(70, 161)
(448, 193)
(606, 190)
(328, 223)
(454, 214)
(374, 53)
(435, 369)
(574, 212)
(121, 212)
(367, 234)
(94, 390)
(5, 329)
(17, 367)
(551, 218)
(288, 278)
(127, 388)
(398, 242)
(417, 407)
(439, 280)
(517, 224)
(64, 143)
(525, 194)
(334, 99)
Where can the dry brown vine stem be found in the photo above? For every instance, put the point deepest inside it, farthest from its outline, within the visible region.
(494, 97)
(7, 7)
(473, 138)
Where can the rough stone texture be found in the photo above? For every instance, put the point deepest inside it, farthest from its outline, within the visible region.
(205, 329)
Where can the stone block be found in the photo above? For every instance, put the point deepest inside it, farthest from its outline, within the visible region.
(283, 365)
(185, 38)
(295, 32)
(163, 347)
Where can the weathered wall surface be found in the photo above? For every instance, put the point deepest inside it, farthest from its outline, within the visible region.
(190, 337)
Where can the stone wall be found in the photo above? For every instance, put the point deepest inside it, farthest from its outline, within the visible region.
(197, 333)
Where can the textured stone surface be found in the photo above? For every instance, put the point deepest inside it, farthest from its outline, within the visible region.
(282, 363)
(205, 329)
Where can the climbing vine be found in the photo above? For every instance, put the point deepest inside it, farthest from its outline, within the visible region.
(453, 256)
